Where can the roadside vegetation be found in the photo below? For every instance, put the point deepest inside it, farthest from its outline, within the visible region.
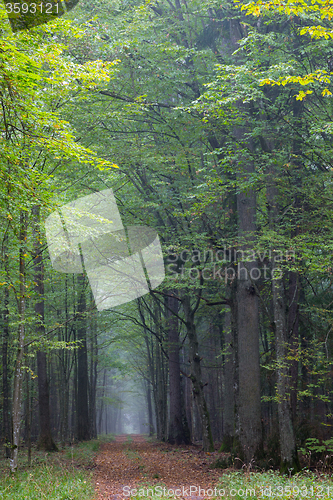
(65, 475)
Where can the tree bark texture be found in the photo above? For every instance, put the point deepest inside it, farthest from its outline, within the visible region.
(83, 427)
(249, 407)
(45, 440)
(289, 458)
(18, 372)
(196, 377)
(228, 384)
(5, 381)
(176, 434)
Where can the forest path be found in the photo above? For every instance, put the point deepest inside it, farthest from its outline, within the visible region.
(133, 462)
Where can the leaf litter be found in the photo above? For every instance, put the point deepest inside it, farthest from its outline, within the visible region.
(133, 462)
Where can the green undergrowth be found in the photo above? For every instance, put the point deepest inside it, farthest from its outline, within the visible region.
(65, 475)
(51, 481)
(272, 485)
(239, 485)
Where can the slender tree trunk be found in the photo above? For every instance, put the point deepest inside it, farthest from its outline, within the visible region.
(161, 378)
(155, 385)
(150, 383)
(229, 385)
(45, 440)
(196, 377)
(28, 418)
(289, 457)
(287, 438)
(293, 326)
(176, 433)
(65, 368)
(106, 419)
(165, 394)
(18, 372)
(150, 409)
(100, 422)
(5, 382)
(93, 375)
(160, 393)
(83, 431)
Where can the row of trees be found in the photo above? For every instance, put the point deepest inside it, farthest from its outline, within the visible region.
(220, 124)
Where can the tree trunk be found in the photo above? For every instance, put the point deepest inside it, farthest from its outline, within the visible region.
(83, 430)
(28, 418)
(289, 457)
(150, 409)
(150, 383)
(45, 440)
(5, 383)
(176, 433)
(229, 385)
(249, 408)
(196, 378)
(160, 394)
(18, 372)
(93, 375)
(293, 326)
(101, 409)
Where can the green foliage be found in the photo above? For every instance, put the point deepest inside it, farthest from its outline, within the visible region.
(83, 453)
(313, 445)
(55, 481)
(317, 10)
(273, 485)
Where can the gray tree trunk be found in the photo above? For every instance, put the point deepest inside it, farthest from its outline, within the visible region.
(45, 440)
(289, 458)
(176, 431)
(196, 377)
(293, 337)
(83, 427)
(150, 409)
(18, 372)
(286, 431)
(249, 407)
(5, 379)
(228, 384)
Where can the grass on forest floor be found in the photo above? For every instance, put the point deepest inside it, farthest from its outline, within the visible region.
(53, 476)
(273, 486)
(240, 485)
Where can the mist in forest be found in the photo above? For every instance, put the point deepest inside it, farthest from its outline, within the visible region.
(122, 407)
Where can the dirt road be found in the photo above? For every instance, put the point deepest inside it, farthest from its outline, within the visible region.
(132, 462)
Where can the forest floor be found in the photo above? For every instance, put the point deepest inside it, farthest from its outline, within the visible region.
(134, 467)
(133, 462)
